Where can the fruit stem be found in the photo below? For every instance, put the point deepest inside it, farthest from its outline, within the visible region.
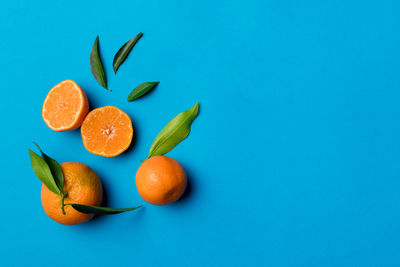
(63, 196)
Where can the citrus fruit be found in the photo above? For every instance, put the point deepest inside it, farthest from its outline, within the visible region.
(107, 131)
(161, 180)
(65, 106)
(83, 187)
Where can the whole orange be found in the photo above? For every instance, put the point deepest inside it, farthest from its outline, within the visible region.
(161, 180)
(83, 187)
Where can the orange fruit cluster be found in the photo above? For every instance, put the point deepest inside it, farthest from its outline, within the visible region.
(106, 131)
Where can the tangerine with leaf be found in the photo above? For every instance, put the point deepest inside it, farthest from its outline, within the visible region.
(82, 186)
(71, 192)
(161, 180)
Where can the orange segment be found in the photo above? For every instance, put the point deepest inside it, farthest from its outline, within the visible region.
(107, 131)
(65, 106)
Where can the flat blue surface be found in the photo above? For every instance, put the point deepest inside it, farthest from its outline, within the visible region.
(293, 160)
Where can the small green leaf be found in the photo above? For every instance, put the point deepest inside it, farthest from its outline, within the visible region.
(141, 90)
(124, 51)
(100, 210)
(43, 172)
(96, 66)
(174, 132)
(55, 169)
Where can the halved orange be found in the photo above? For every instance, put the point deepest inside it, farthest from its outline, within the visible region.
(107, 131)
(65, 106)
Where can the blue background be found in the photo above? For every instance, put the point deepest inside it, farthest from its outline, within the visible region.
(292, 161)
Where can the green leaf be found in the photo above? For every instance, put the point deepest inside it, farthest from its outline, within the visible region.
(96, 66)
(124, 51)
(43, 172)
(100, 210)
(55, 169)
(174, 132)
(141, 90)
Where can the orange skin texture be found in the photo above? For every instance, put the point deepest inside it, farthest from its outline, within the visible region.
(107, 131)
(65, 107)
(161, 180)
(83, 187)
